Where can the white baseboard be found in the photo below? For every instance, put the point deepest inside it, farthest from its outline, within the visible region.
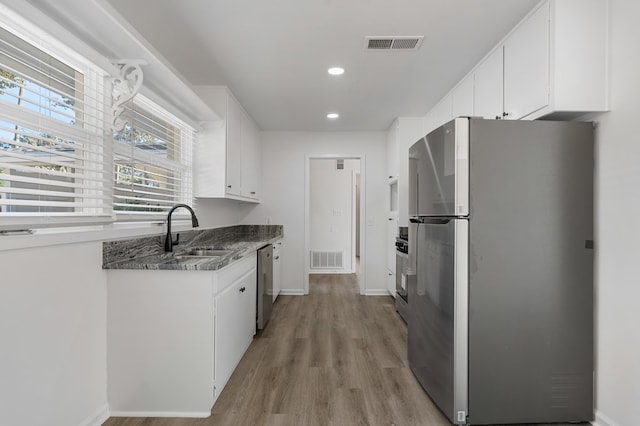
(291, 292)
(99, 417)
(191, 414)
(330, 271)
(603, 420)
(383, 292)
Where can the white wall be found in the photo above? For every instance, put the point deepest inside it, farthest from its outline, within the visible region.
(53, 335)
(53, 328)
(618, 228)
(213, 213)
(283, 175)
(331, 208)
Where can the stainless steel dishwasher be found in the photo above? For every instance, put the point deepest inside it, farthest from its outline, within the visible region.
(265, 286)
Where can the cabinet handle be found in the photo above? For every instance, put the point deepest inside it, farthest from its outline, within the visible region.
(390, 218)
(228, 186)
(242, 289)
(277, 257)
(390, 177)
(505, 114)
(253, 192)
(390, 274)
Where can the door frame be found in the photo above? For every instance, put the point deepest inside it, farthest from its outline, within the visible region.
(363, 208)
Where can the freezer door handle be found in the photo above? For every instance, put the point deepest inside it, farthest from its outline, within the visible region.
(432, 220)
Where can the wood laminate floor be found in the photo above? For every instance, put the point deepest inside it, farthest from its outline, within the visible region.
(330, 358)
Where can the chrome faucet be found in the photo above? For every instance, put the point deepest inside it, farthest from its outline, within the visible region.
(168, 241)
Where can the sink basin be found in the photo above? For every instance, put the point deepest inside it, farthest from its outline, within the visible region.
(204, 252)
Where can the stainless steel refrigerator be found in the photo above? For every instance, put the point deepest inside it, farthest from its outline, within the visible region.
(501, 270)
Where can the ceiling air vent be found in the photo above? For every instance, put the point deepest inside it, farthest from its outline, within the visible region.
(399, 43)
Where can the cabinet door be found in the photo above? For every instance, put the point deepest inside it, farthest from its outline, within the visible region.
(392, 151)
(392, 232)
(391, 283)
(526, 66)
(248, 310)
(251, 157)
(462, 99)
(234, 326)
(441, 113)
(234, 146)
(277, 269)
(488, 87)
(428, 123)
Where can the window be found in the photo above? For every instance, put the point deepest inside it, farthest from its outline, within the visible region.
(54, 165)
(152, 162)
(60, 162)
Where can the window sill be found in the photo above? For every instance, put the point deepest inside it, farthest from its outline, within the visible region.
(60, 236)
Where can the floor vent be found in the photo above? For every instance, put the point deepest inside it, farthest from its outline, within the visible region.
(400, 43)
(327, 260)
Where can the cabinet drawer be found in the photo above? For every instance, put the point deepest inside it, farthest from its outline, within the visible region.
(231, 273)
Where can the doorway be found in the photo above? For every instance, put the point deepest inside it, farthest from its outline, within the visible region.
(334, 212)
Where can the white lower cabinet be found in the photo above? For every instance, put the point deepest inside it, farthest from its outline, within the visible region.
(235, 325)
(277, 268)
(175, 337)
(392, 233)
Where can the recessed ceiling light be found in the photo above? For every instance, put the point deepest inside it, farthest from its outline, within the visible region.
(336, 71)
(333, 115)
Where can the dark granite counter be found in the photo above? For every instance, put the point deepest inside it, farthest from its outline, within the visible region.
(148, 252)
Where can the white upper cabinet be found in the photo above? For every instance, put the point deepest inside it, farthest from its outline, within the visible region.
(251, 153)
(392, 151)
(462, 98)
(228, 153)
(234, 145)
(409, 131)
(552, 65)
(441, 113)
(526, 66)
(487, 87)
(578, 55)
(555, 62)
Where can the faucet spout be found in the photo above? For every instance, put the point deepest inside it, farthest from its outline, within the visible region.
(168, 241)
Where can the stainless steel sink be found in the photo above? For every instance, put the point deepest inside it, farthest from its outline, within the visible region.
(208, 252)
(204, 252)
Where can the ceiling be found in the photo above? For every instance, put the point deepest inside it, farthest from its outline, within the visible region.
(274, 55)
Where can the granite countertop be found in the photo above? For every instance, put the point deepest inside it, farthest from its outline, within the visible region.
(148, 252)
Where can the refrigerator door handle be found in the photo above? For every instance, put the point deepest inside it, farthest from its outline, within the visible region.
(412, 247)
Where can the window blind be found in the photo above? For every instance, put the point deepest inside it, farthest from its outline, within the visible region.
(152, 162)
(54, 164)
